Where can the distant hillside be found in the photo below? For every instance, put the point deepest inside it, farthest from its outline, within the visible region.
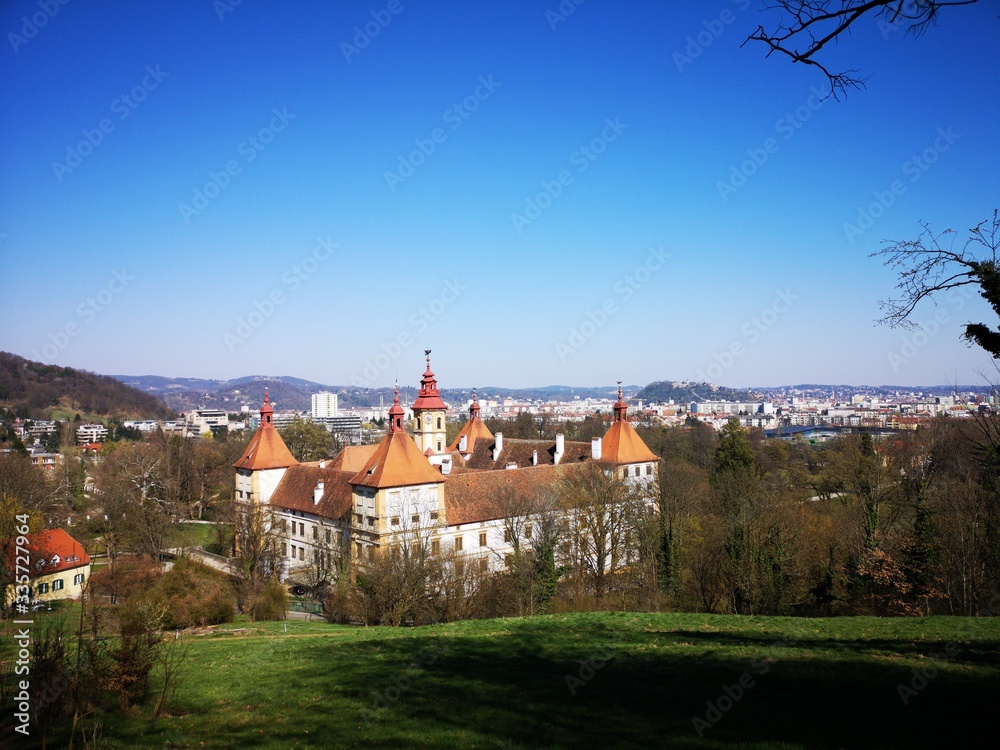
(295, 394)
(685, 392)
(41, 391)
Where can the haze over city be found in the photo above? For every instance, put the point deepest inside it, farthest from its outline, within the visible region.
(540, 193)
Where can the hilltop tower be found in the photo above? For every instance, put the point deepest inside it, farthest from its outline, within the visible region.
(429, 415)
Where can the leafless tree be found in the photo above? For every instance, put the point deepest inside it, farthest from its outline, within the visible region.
(806, 27)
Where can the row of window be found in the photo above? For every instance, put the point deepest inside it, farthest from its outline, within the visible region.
(57, 584)
(302, 530)
(647, 470)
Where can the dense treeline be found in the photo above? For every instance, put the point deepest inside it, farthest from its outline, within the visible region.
(907, 524)
(30, 389)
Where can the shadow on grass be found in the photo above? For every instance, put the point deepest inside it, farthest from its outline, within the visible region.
(507, 687)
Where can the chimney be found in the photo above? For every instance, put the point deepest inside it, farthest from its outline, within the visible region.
(511, 465)
(595, 448)
(318, 492)
(498, 447)
(446, 465)
(463, 444)
(534, 458)
(322, 464)
(560, 448)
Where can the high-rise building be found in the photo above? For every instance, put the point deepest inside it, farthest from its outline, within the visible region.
(324, 405)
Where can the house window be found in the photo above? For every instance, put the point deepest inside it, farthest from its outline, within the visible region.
(439, 446)
(371, 554)
(78, 579)
(284, 549)
(507, 536)
(484, 564)
(43, 588)
(315, 532)
(371, 521)
(508, 559)
(458, 544)
(636, 472)
(359, 546)
(415, 518)
(329, 536)
(302, 553)
(439, 427)
(293, 551)
(57, 584)
(459, 567)
(435, 546)
(434, 515)
(302, 529)
(395, 521)
(649, 469)
(418, 423)
(527, 531)
(625, 473)
(415, 548)
(482, 538)
(284, 526)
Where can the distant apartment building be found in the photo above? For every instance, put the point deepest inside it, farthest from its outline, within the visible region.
(347, 427)
(143, 425)
(205, 420)
(91, 433)
(43, 460)
(40, 427)
(324, 406)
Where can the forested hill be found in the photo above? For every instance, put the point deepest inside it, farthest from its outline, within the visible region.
(663, 391)
(40, 391)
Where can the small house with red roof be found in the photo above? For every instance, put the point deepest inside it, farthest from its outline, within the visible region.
(58, 566)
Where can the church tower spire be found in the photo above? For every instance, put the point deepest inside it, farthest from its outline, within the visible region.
(621, 408)
(429, 414)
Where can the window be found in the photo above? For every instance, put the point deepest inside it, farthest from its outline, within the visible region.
(371, 554)
(357, 518)
(329, 536)
(527, 531)
(315, 557)
(434, 515)
(78, 579)
(625, 473)
(458, 544)
(439, 427)
(395, 552)
(43, 588)
(435, 546)
(371, 521)
(293, 551)
(302, 553)
(418, 423)
(284, 526)
(415, 548)
(359, 547)
(649, 469)
(482, 538)
(315, 532)
(395, 521)
(484, 564)
(459, 567)
(439, 446)
(284, 549)
(415, 518)
(508, 559)
(636, 472)
(302, 529)
(507, 537)
(57, 584)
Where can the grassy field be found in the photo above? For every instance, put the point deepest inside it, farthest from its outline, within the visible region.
(603, 680)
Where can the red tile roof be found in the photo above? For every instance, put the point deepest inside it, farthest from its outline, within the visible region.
(296, 491)
(622, 445)
(352, 458)
(474, 496)
(397, 462)
(475, 429)
(266, 451)
(47, 545)
(520, 452)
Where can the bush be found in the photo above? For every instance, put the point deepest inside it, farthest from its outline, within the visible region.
(270, 602)
(194, 594)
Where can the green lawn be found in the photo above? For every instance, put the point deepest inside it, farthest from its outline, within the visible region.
(192, 535)
(635, 680)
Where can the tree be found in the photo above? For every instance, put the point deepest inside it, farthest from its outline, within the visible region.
(133, 492)
(813, 24)
(257, 558)
(930, 265)
(308, 441)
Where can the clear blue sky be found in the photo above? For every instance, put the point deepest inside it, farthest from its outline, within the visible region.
(767, 269)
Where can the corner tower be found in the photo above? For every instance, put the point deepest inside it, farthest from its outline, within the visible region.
(264, 461)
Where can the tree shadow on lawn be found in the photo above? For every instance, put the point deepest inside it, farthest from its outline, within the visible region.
(530, 686)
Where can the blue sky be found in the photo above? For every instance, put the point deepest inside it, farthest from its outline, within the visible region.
(272, 193)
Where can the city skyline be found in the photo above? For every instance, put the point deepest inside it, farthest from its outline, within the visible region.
(549, 193)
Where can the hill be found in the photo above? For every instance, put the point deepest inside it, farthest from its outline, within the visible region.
(684, 392)
(593, 680)
(40, 391)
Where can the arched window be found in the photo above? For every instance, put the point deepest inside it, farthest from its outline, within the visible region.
(439, 423)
